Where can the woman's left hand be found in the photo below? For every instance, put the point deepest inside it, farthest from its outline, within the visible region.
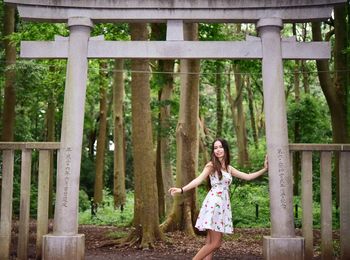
(266, 163)
(174, 191)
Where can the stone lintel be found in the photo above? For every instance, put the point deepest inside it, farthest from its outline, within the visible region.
(63, 247)
(176, 49)
(283, 248)
(138, 14)
(202, 4)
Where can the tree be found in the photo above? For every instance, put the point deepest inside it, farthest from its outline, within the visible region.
(334, 89)
(146, 220)
(296, 161)
(238, 117)
(251, 111)
(165, 84)
(219, 109)
(8, 120)
(102, 136)
(184, 208)
(119, 142)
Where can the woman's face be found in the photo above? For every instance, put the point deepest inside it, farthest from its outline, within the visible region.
(219, 150)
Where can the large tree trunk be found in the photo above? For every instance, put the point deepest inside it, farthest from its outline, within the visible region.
(184, 209)
(165, 97)
(334, 91)
(239, 118)
(341, 65)
(146, 218)
(119, 144)
(8, 120)
(101, 139)
(164, 169)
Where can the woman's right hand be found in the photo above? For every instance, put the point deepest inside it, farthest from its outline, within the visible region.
(174, 191)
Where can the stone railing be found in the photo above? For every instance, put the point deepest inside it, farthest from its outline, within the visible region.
(8, 154)
(325, 152)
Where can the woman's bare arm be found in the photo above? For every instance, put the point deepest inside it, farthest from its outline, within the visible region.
(195, 182)
(249, 176)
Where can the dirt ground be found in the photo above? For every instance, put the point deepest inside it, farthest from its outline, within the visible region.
(245, 244)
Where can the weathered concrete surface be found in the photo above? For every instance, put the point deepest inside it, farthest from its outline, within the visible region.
(66, 206)
(202, 4)
(175, 49)
(280, 179)
(283, 248)
(195, 11)
(63, 247)
(65, 243)
(283, 243)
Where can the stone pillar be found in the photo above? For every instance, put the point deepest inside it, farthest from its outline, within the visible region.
(282, 244)
(65, 243)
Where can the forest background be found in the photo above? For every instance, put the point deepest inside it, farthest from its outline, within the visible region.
(149, 124)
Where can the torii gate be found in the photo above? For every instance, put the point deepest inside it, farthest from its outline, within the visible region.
(65, 242)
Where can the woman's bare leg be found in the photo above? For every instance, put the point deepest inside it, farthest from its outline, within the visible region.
(207, 242)
(207, 249)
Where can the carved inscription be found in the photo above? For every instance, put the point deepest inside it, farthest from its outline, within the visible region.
(282, 175)
(67, 173)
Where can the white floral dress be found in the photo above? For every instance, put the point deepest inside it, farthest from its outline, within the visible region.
(215, 213)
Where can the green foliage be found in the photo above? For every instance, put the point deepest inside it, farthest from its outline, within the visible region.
(244, 200)
(106, 213)
(316, 212)
(84, 201)
(313, 117)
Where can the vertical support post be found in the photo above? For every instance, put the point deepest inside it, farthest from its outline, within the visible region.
(306, 195)
(43, 199)
(67, 195)
(175, 30)
(6, 204)
(326, 205)
(279, 246)
(23, 229)
(344, 205)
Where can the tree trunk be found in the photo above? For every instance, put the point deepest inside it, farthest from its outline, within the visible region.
(297, 137)
(341, 66)
(305, 73)
(166, 85)
(304, 68)
(8, 120)
(203, 134)
(146, 219)
(165, 97)
(101, 139)
(184, 209)
(219, 109)
(251, 112)
(334, 93)
(241, 132)
(50, 137)
(118, 137)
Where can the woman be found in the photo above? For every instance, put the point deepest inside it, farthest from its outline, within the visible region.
(215, 214)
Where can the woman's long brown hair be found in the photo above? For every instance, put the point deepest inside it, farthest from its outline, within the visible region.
(216, 162)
